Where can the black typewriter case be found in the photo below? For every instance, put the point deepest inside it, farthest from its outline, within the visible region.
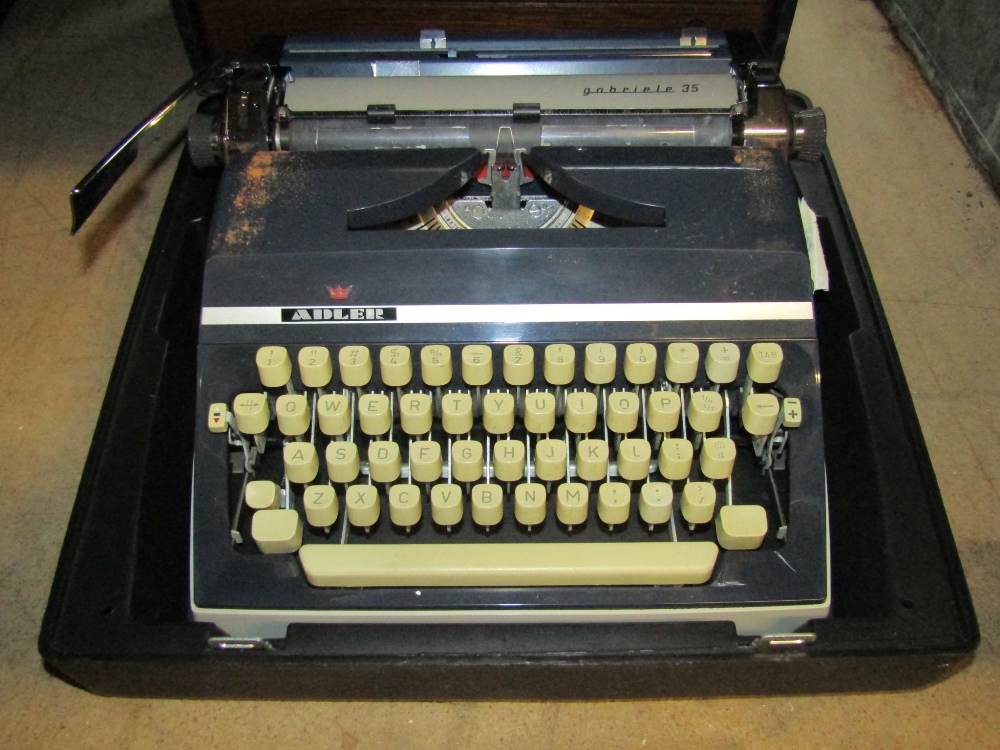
(117, 621)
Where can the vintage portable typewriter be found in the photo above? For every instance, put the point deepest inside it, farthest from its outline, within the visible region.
(510, 423)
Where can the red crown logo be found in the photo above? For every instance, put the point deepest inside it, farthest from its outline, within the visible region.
(339, 293)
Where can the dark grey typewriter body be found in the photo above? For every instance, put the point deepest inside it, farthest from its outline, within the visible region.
(600, 403)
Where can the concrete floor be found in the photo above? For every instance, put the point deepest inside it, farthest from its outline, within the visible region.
(76, 74)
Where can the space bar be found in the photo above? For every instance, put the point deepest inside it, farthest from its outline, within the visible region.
(525, 564)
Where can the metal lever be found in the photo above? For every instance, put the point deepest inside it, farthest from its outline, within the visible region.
(90, 191)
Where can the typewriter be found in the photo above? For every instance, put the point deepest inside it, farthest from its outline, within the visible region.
(508, 330)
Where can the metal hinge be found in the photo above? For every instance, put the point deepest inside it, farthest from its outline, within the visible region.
(228, 643)
(433, 39)
(783, 642)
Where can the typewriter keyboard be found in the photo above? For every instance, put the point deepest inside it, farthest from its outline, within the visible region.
(511, 465)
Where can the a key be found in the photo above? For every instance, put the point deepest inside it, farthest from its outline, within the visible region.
(435, 365)
(277, 531)
(487, 504)
(404, 505)
(301, 462)
(791, 412)
(622, 414)
(343, 463)
(321, 505)
(581, 412)
(613, 501)
(477, 364)
(529, 504)
(425, 461)
(262, 494)
(518, 364)
(292, 411)
(760, 413)
(217, 418)
(741, 526)
(252, 413)
(634, 456)
(374, 416)
(508, 460)
(384, 464)
(539, 412)
(333, 413)
(663, 411)
(315, 366)
(446, 504)
(273, 366)
(722, 362)
(718, 456)
(498, 413)
(592, 460)
(640, 363)
(656, 500)
(764, 363)
(395, 365)
(550, 460)
(361, 501)
(705, 411)
(681, 363)
(698, 502)
(560, 364)
(599, 363)
(456, 413)
(675, 458)
(572, 503)
(355, 366)
(416, 415)
(466, 461)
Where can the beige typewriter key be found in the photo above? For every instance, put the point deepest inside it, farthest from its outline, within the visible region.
(274, 366)
(277, 531)
(355, 366)
(722, 362)
(613, 500)
(550, 460)
(343, 463)
(217, 414)
(466, 461)
(361, 501)
(529, 504)
(292, 410)
(663, 411)
(301, 462)
(539, 412)
(435, 365)
(315, 366)
(791, 412)
(456, 413)
(518, 364)
(262, 494)
(764, 363)
(498, 413)
(656, 500)
(477, 364)
(681, 363)
(640, 363)
(675, 458)
(705, 411)
(446, 504)
(592, 460)
(384, 464)
(333, 412)
(622, 415)
(760, 413)
(252, 413)
(395, 365)
(374, 416)
(634, 456)
(487, 504)
(560, 364)
(416, 415)
(572, 503)
(425, 461)
(741, 526)
(599, 363)
(404, 505)
(321, 504)
(718, 456)
(581, 412)
(698, 502)
(508, 460)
